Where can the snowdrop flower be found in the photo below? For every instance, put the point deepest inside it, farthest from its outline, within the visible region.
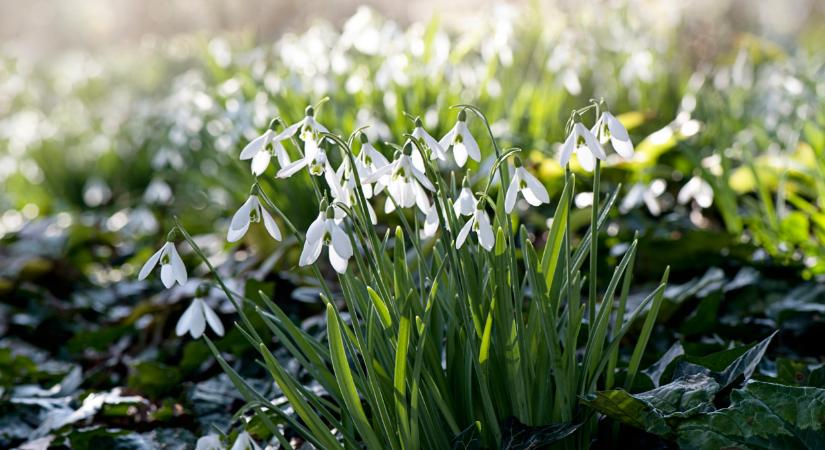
(314, 157)
(608, 128)
(648, 194)
(696, 189)
(324, 231)
(431, 222)
(436, 150)
(463, 143)
(405, 184)
(480, 224)
(586, 146)
(465, 204)
(171, 266)
(251, 212)
(244, 442)
(197, 315)
(260, 150)
(209, 442)
(368, 161)
(343, 191)
(527, 185)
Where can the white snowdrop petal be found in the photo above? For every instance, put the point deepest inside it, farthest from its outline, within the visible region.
(150, 264)
(338, 262)
(586, 159)
(617, 130)
(567, 148)
(256, 145)
(281, 154)
(534, 185)
(167, 275)
(260, 162)
(448, 138)
(460, 154)
(462, 235)
(485, 231)
(591, 142)
(213, 320)
(240, 221)
(470, 144)
(340, 241)
(311, 252)
(288, 132)
(512, 192)
(417, 159)
(425, 182)
(185, 320)
(178, 269)
(198, 323)
(270, 225)
(466, 202)
(292, 168)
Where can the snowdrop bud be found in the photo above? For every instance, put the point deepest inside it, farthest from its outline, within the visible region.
(310, 111)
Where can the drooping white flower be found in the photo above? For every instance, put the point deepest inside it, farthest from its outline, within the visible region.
(587, 148)
(261, 149)
(210, 442)
(405, 184)
(251, 212)
(314, 157)
(462, 142)
(244, 442)
(344, 191)
(527, 185)
(436, 150)
(644, 193)
(465, 204)
(171, 266)
(480, 224)
(608, 128)
(696, 189)
(431, 222)
(195, 318)
(367, 162)
(324, 231)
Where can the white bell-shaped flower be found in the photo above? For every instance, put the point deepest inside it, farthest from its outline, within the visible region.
(244, 442)
(644, 193)
(261, 149)
(462, 142)
(608, 128)
(314, 157)
(324, 231)
(436, 150)
(480, 224)
(251, 212)
(171, 266)
(465, 204)
(368, 161)
(344, 191)
(209, 442)
(527, 185)
(586, 146)
(696, 189)
(431, 222)
(195, 318)
(405, 184)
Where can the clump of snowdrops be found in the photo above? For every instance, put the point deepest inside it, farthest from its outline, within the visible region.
(451, 327)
